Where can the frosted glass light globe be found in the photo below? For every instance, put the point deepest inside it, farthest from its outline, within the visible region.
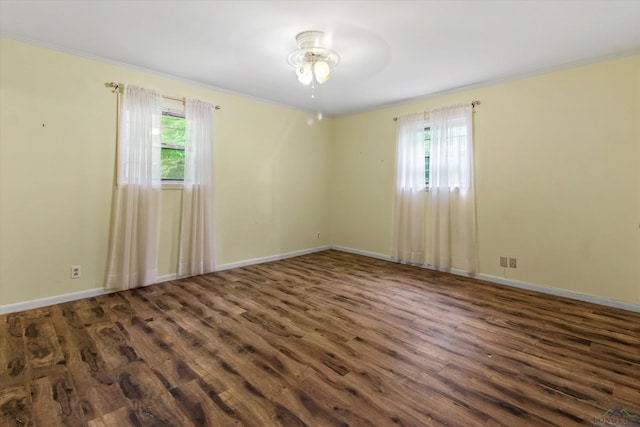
(322, 71)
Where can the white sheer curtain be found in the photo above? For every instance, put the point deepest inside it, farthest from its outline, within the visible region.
(409, 203)
(196, 255)
(133, 251)
(451, 223)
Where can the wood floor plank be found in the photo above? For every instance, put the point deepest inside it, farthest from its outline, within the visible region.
(156, 349)
(92, 378)
(43, 348)
(325, 339)
(54, 398)
(119, 417)
(150, 402)
(13, 358)
(15, 406)
(203, 406)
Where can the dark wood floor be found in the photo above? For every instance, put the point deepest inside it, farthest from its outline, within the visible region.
(327, 339)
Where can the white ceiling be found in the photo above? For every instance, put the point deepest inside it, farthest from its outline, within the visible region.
(391, 51)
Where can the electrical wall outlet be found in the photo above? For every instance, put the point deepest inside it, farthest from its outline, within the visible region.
(75, 271)
(513, 263)
(317, 235)
(504, 262)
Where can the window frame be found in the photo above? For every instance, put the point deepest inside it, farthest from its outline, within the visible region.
(457, 185)
(427, 156)
(172, 111)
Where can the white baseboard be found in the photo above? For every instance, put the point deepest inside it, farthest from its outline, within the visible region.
(561, 293)
(57, 299)
(167, 277)
(363, 253)
(278, 257)
(230, 265)
(501, 281)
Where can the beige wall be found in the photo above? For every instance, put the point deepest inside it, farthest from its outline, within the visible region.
(557, 167)
(557, 170)
(57, 163)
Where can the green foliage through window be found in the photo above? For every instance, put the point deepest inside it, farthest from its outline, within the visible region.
(172, 152)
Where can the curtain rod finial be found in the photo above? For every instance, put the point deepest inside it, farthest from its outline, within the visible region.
(115, 86)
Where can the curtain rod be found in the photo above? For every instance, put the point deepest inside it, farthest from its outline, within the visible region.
(473, 104)
(116, 86)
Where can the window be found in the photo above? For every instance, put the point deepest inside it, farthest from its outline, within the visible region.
(427, 153)
(449, 147)
(172, 149)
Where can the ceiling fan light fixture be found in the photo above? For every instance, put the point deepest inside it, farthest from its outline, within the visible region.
(305, 73)
(322, 71)
(313, 60)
